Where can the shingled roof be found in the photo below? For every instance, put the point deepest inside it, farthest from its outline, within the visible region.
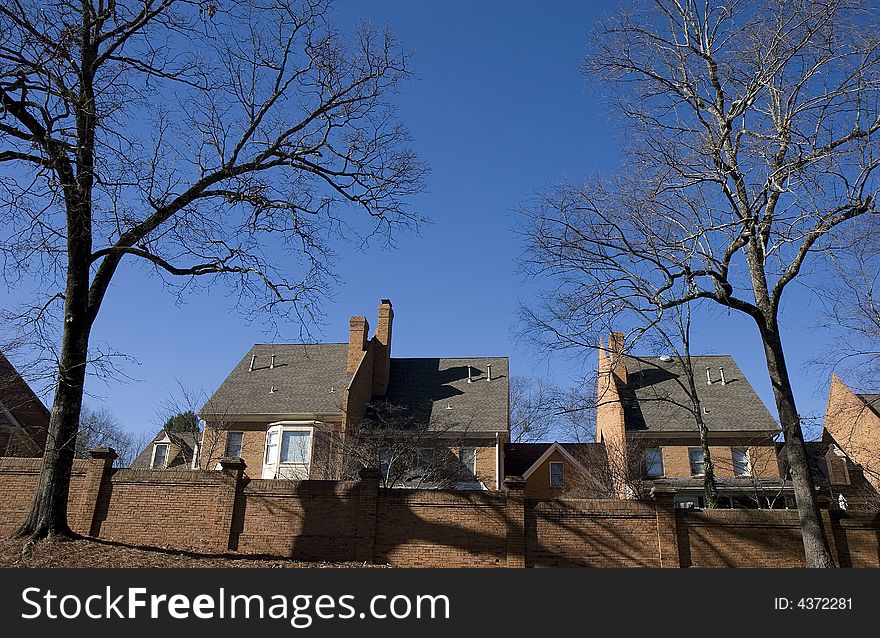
(305, 379)
(655, 399)
(436, 392)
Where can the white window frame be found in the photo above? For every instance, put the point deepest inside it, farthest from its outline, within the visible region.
(468, 466)
(156, 446)
(288, 426)
(748, 461)
(698, 450)
(562, 474)
(648, 464)
(240, 443)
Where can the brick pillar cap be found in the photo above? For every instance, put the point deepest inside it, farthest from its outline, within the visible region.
(232, 463)
(103, 453)
(515, 483)
(663, 491)
(368, 473)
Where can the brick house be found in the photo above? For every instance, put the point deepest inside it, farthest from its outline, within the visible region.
(24, 420)
(852, 432)
(300, 411)
(552, 470)
(169, 451)
(645, 418)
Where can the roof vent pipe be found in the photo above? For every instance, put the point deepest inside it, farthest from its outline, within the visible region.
(272, 364)
(723, 380)
(253, 361)
(470, 375)
(488, 372)
(708, 376)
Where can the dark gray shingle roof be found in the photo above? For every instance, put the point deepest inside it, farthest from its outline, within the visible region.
(307, 378)
(427, 386)
(655, 399)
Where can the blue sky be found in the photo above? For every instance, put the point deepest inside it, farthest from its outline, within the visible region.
(498, 110)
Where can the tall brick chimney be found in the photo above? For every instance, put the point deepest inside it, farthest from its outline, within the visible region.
(610, 415)
(615, 352)
(358, 328)
(382, 348)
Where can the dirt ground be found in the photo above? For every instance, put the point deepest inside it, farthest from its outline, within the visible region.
(91, 553)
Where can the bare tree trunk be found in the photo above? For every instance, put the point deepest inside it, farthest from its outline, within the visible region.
(816, 549)
(48, 515)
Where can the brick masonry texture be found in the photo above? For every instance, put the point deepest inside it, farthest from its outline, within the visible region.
(223, 510)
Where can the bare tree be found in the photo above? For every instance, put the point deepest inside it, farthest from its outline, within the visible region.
(409, 452)
(100, 428)
(203, 139)
(752, 133)
(534, 410)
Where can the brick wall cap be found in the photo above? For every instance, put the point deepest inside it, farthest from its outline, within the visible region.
(229, 463)
(368, 473)
(515, 483)
(103, 453)
(663, 491)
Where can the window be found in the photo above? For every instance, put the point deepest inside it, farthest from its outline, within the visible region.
(742, 466)
(468, 457)
(233, 443)
(160, 456)
(425, 458)
(384, 462)
(271, 446)
(697, 461)
(654, 462)
(557, 474)
(296, 446)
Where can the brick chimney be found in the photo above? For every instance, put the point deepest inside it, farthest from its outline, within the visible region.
(382, 348)
(358, 328)
(615, 351)
(610, 415)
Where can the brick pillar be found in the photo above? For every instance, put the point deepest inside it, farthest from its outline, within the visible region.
(232, 473)
(667, 527)
(515, 513)
(368, 504)
(97, 481)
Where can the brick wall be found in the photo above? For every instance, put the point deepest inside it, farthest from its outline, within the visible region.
(440, 528)
(223, 510)
(676, 458)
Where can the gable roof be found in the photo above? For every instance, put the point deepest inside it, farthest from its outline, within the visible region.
(185, 441)
(655, 399)
(436, 392)
(521, 459)
(20, 406)
(307, 379)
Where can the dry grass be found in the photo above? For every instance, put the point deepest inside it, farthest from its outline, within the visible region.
(93, 553)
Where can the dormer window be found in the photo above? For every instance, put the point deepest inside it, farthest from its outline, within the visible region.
(160, 456)
(557, 474)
